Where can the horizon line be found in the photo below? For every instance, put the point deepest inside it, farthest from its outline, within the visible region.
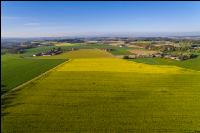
(117, 34)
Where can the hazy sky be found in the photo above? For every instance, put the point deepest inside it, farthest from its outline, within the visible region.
(34, 19)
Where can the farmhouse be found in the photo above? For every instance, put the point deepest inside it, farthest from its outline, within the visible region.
(122, 45)
(171, 57)
(195, 46)
(49, 53)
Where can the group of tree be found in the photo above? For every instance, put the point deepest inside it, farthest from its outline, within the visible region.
(187, 56)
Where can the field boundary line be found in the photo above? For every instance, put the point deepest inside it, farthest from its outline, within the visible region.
(33, 79)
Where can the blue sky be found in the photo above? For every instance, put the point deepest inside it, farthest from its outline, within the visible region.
(36, 19)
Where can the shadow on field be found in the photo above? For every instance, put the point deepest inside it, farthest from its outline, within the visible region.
(8, 101)
(3, 90)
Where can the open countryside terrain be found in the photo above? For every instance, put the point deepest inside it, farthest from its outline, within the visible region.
(189, 64)
(19, 68)
(82, 53)
(105, 94)
(69, 46)
(16, 70)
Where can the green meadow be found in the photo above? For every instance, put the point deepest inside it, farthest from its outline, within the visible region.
(16, 70)
(190, 64)
(105, 94)
(121, 51)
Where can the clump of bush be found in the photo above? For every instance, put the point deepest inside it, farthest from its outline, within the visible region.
(125, 57)
(187, 56)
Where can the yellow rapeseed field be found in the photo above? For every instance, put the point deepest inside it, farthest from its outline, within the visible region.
(117, 65)
(99, 60)
(95, 92)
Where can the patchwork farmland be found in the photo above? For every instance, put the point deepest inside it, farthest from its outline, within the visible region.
(105, 94)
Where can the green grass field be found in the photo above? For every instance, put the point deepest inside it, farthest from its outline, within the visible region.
(190, 64)
(105, 94)
(16, 70)
(121, 51)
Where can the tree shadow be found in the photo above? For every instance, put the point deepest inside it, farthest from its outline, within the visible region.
(8, 101)
(3, 89)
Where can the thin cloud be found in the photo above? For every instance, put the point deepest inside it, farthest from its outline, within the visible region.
(32, 24)
(9, 17)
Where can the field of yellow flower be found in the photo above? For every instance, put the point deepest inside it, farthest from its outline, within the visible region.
(105, 94)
